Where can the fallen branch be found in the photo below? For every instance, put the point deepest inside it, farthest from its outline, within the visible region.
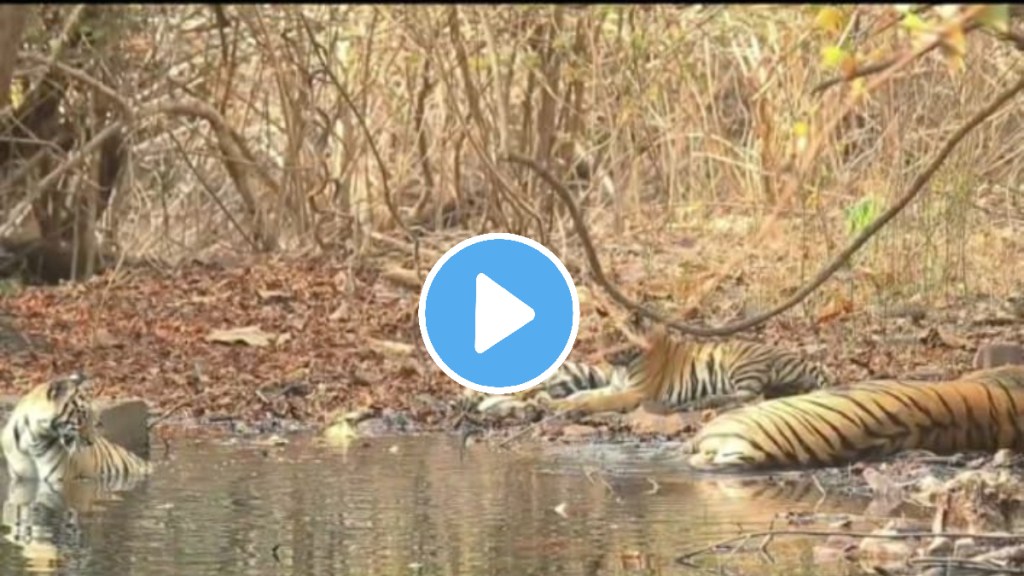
(986, 563)
(771, 534)
(823, 275)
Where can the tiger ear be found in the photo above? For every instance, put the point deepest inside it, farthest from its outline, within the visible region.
(658, 335)
(62, 387)
(659, 331)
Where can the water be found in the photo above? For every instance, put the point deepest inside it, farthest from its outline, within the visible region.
(407, 506)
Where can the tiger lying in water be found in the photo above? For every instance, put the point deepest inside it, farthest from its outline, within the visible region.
(677, 375)
(980, 411)
(50, 436)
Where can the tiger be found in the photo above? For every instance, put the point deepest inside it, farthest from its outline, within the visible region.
(678, 375)
(870, 420)
(569, 378)
(51, 436)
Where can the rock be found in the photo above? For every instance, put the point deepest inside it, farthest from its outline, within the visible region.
(998, 354)
(122, 421)
(834, 550)
(125, 422)
(965, 548)
(884, 553)
(941, 546)
(1003, 459)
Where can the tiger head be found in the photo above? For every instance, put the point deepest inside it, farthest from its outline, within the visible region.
(724, 453)
(55, 410)
(726, 444)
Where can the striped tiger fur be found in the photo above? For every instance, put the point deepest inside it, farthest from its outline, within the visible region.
(569, 379)
(871, 420)
(50, 436)
(680, 375)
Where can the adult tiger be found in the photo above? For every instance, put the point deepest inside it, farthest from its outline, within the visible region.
(680, 375)
(569, 379)
(980, 411)
(50, 436)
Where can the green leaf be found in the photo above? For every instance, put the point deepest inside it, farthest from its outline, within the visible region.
(861, 214)
(914, 23)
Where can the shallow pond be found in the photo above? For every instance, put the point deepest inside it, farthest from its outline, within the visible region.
(410, 506)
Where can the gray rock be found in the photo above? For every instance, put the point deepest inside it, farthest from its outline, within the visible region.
(998, 354)
(124, 421)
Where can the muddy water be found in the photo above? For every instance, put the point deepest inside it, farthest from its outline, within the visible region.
(406, 506)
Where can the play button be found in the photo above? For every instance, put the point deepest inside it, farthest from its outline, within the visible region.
(499, 313)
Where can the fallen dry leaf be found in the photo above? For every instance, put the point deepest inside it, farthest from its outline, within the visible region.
(837, 307)
(104, 339)
(249, 335)
(273, 295)
(391, 347)
(578, 431)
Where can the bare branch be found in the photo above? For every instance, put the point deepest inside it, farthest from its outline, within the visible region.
(823, 275)
(72, 162)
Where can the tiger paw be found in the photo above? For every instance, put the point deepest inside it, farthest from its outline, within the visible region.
(560, 405)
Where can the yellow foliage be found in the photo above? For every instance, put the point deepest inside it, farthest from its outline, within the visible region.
(830, 19)
(833, 56)
(340, 433)
(801, 130)
(859, 87)
(913, 23)
(17, 94)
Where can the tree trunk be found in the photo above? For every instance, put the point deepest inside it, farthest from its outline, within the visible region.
(13, 18)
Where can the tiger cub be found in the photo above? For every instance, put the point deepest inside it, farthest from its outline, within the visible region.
(50, 436)
(980, 411)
